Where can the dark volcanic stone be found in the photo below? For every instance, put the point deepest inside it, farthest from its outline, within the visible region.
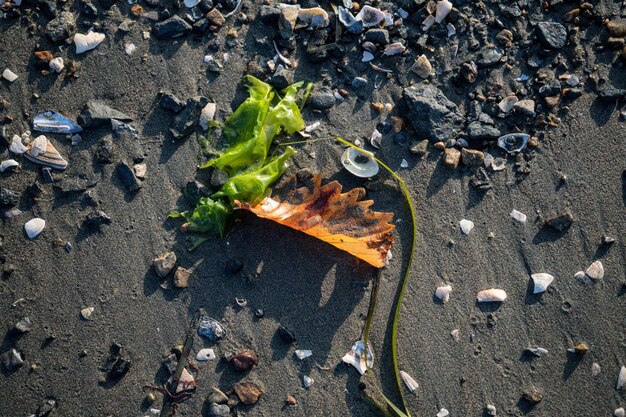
(281, 78)
(206, 5)
(89, 10)
(269, 15)
(12, 359)
(379, 36)
(550, 89)
(611, 94)
(551, 35)
(96, 113)
(287, 336)
(489, 57)
(481, 131)
(234, 265)
(48, 8)
(186, 121)
(170, 102)
(322, 99)
(171, 28)
(104, 151)
(201, 25)
(127, 176)
(119, 369)
(359, 83)
(8, 197)
(96, 219)
(61, 27)
(560, 221)
(431, 113)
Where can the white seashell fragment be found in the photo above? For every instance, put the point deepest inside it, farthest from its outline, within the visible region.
(9, 163)
(185, 382)
(451, 30)
(488, 160)
(87, 312)
(312, 127)
(367, 56)
(38, 146)
(443, 293)
(314, 17)
(376, 138)
(456, 334)
(619, 412)
(621, 378)
(56, 64)
(410, 383)
(422, 67)
(9, 75)
(443, 413)
(507, 103)
(358, 163)
(34, 227)
(207, 114)
(428, 23)
(205, 355)
(356, 357)
(444, 7)
(519, 216)
(191, 3)
(129, 48)
(302, 354)
(17, 147)
(541, 282)
(87, 42)
(307, 381)
(404, 163)
(498, 164)
(595, 369)
(491, 295)
(395, 48)
(491, 410)
(370, 16)
(595, 271)
(466, 226)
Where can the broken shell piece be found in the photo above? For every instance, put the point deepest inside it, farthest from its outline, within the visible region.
(314, 17)
(619, 412)
(87, 42)
(443, 293)
(541, 282)
(595, 369)
(9, 163)
(359, 163)
(56, 65)
(356, 357)
(538, 351)
(428, 23)
(87, 312)
(129, 48)
(9, 75)
(513, 142)
(185, 382)
(17, 147)
(34, 227)
(207, 114)
(456, 334)
(422, 67)
(443, 413)
(395, 48)
(410, 383)
(302, 354)
(507, 103)
(370, 16)
(579, 348)
(519, 216)
(595, 271)
(307, 381)
(498, 164)
(312, 127)
(404, 163)
(451, 30)
(43, 152)
(444, 7)
(53, 122)
(491, 295)
(349, 21)
(367, 56)
(205, 355)
(621, 378)
(466, 226)
(375, 139)
(191, 3)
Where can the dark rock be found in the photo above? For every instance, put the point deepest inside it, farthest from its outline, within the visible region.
(560, 221)
(96, 219)
(532, 396)
(218, 179)
(61, 27)
(472, 157)
(359, 83)
(551, 35)
(75, 184)
(322, 99)
(489, 57)
(259, 313)
(287, 20)
(23, 326)
(481, 180)
(286, 335)
(104, 151)
(551, 88)
(8, 198)
(431, 113)
(164, 263)
(89, 10)
(206, 5)
(186, 121)
(171, 28)
(46, 173)
(170, 102)
(269, 14)
(377, 36)
(12, 359)
(282, 78)
(48, 8)
(244, 360)
(211, 329)
(219, 410)
(201, 25)
(120, 367)
(97, 113)
(469, 71)
(611, 94)
(46, 408)
(194, 190)
(481, 131)
(234, 265)
(127, 176)
(420, 148)
(170, 363)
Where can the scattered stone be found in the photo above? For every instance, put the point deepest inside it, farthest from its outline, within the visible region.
(621, 378)
(420, 148)
(104, 151)
(127, 177)
(560, 221)
(170, 102)
(619, 412)
(287, 20)
(244, 360)
(551, 35)
(322, 99)
(488, 57)
(12, 359)
(359, 83)
(595, 271)
(8, 198)
(286, 335)
(377, 36)
(87, 312)
(307, 381)
(422, 67)
(96, 219)
(61, 27)
(248, 392)
(541, 282)
(532, 396)
(431, 113)
(181, 277)
(171, 28)
(186, 121)
(211, 329)
(97, 113)
(466, 226)
(452, 156)
(164, 263)
(216, 19)
(23, 326)
(525, 107)
(140, 170)
(472, 157)
(219, 410)
(478, 131)
(617, 27)
(207, 355)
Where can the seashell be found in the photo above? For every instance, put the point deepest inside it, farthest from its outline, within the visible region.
(456, 334)
(595, 271)
(207, 114)
(87, 312)
(404, 163)
(498, 164)
(444, 7)
(43, 152)
(129, 48)
(491, 295)
(205, 355)
(244, 360)
(466, 226)
(422, 67)
(428, 23)
(54, 122)
(538, 351)
(314, 126)
(541, 282)
(185, 382)
(191, 3)
(359, 163)
(356, 357)
(513, 142)
(307, 381)
(56, 65)
(519, 216)
(507, 103)
(87, 42)
(410, 383)
(395, 48)
(443, 413)
(302, 354)
(451, 30)
(443, 293)
(621, 378)
(9, 75)
(9, 163)
(370, 16)
(17, 147)
(369, 46)
(211, 329)
(34, 227)
(367, 56)
(314, 17)
(348, 20)
(595, 369)
(376, 138)
(619, 412)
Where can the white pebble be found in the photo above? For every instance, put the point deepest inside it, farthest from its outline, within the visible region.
(595, 369)
(466, 226)
(621, 378)
(56, 64)
(619, 412)
(34, 227)
(443, 293)
(456, 334)
(519, 216)
(205, 355)
(129, 48)
(307, 381)
(404, 164)
(443, 413)
(302, 354)
(87, 312)
(9, 75)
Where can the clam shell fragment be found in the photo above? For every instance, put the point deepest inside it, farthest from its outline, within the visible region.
(17, 147)
(43, 152)
(595, 271)
(87, 42)
(395, 48)
(621, 378)
(491, 295)
(422, 67)
(371, 16)
(466, 226)
(541, 282)
(9, 75)
(444, 7)
(9, 163)
(443, 293)
(410, 383)
(356, 357)
(359, 163)
(428, 23)
(34, 227)
(207, 114)
(519, 216)
(507, 103)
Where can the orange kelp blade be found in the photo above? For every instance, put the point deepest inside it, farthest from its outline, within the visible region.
(339, 219)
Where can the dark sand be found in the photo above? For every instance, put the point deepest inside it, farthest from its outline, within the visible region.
(304, 284)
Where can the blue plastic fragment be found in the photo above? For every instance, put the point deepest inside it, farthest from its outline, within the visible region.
(53, 122)
(211, 329)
